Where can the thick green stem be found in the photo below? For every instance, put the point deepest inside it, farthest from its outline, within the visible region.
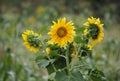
(52, 64)
(67, 60)
(74, 58)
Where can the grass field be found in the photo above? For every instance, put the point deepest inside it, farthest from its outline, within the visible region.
(17, 62)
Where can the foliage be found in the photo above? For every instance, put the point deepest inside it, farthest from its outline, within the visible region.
(60, 52)
(16, 63)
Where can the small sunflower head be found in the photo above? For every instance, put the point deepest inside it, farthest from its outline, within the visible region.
(90, 47)
(94, 30)
(31, 40)
(85, 50)
(73, 50)
(48, 50)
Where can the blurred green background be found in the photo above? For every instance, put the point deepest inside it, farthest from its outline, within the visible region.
(17, 62)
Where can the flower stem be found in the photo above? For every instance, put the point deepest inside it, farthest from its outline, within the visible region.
(67, 60)
(74, 58)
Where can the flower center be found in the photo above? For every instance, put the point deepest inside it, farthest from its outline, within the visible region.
(61, 32)
(33, 40)
(94, 31)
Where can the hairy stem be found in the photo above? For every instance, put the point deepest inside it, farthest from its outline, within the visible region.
(67, 60)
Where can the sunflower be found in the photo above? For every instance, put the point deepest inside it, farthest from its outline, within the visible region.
(85, 50)
(31, 40)
(94, 30)
(61, 32)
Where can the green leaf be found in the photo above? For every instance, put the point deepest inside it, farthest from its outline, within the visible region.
(96, 75)
(74, 76)
(43, 63)
(52, 76)
(45, 40)
(80, 30)
(61, 76)
(59, 63)
(52, 60)
(78, 39)
(39, 57)
(53, 53)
